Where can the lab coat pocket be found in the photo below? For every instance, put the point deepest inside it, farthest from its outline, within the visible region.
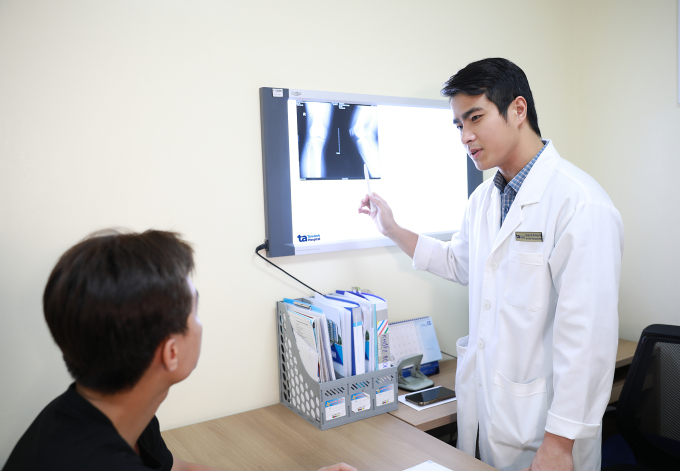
(465, 392)
(461, 350)
(524, 288)
(461, 347)
(519, 412)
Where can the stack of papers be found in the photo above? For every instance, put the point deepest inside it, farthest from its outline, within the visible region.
(341, 334)
(311, 336)
(339, 316)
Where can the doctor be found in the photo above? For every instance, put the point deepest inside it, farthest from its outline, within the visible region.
(540, 246)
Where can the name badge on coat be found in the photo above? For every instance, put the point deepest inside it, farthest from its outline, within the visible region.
(529, 236)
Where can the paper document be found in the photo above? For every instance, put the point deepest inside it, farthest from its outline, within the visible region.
(428, 466)
(302, 316)
(340, 332)
(306, 342)
(303, 327)
(308, 355)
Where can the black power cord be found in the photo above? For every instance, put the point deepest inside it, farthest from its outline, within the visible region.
(266, 246)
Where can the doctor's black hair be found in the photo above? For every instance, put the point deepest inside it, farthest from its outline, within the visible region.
(112, 299)
(500, 80)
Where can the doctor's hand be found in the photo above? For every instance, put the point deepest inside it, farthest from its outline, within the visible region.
(380, 212)
(554, 454)
(384, 221)
(339, 467)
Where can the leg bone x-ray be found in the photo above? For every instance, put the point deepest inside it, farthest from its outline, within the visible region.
(336, 139)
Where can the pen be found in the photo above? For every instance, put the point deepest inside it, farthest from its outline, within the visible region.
(368, 184)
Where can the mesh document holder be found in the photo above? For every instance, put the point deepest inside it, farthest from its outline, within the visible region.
(333, 403)
(649, 406)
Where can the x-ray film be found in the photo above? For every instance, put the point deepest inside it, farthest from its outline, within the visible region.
(335, 140)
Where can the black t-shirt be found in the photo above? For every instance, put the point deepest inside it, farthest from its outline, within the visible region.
(71, 434)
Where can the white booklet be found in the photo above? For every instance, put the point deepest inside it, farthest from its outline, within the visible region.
(428, 466)
(305, 315)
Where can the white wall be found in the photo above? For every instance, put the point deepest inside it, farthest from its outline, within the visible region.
(146, 114)
(628, 134)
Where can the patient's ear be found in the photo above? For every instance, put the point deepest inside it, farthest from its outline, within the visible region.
(170, 354)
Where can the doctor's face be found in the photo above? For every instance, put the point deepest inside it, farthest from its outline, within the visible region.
(488, 138)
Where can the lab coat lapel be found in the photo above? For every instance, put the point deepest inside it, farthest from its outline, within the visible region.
(529, 193)
(493, 216)
(512, 220)
(537, 180)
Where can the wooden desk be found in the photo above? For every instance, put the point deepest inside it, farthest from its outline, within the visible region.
(624, 357)
(433, 417)
(447, 413)
(274, 438)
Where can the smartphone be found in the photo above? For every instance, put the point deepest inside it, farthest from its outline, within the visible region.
(431, 396)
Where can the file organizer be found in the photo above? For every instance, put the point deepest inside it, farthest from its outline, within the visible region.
(308, 398)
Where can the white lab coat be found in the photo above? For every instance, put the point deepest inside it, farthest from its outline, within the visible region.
(543, 315)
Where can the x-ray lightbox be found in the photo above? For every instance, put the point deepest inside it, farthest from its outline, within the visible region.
(315, 146)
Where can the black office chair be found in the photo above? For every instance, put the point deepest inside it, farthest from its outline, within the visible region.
(648, 411)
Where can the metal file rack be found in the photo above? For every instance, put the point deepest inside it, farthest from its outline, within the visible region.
(321, 404)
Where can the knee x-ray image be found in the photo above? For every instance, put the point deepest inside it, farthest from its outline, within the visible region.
(335, 140)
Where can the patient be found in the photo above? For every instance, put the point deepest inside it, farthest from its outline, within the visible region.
(124, 312)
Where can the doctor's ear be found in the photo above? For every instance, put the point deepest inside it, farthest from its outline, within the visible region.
(519, 109)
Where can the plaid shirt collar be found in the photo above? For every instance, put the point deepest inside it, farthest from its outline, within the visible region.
(516, 183)
(510, 190)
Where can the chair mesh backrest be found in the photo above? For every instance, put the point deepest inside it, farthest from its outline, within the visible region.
(659, 407)
(649, 408)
